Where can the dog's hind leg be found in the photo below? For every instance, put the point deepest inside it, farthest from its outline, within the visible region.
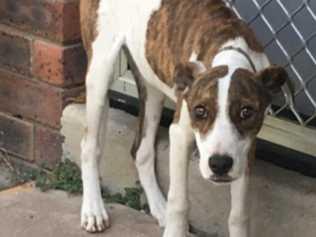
(99, 77)
(145, 152)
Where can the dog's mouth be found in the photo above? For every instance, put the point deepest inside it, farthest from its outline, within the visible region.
(223, 179)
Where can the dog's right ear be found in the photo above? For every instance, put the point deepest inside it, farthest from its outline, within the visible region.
(185, 74)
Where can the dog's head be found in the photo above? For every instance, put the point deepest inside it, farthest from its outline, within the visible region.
(226, 109)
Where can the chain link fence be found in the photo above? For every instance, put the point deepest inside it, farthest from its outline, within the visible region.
(287, 29)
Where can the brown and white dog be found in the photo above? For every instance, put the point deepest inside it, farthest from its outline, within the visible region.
(200, 55)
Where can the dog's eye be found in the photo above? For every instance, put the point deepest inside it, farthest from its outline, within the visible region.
(246, 112)
(200, 112)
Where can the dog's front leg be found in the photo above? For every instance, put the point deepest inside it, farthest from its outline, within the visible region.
(239, 217)
(94, 217)
(177, 207)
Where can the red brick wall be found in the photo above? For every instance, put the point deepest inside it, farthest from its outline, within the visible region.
(42, 65)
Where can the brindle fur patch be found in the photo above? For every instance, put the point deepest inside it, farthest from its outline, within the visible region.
(245, 91)
(252, 153)
(251, 157)
(88, 19)
(184, 76)
(142, 96)
(177, 113)
(204, 92)
(181, 27)
(273, 78)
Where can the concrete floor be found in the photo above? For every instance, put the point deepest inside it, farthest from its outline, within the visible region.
(26, 212)
(283, 203)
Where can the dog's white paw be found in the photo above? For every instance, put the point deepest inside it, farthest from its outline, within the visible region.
(94, 217)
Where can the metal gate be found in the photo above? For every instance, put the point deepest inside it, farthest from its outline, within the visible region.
(287, 29)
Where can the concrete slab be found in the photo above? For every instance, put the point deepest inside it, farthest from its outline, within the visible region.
(117, 167)
(27, 212)
(283, 203)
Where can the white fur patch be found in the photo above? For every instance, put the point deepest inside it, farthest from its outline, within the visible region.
(130, 18)
(193, 57)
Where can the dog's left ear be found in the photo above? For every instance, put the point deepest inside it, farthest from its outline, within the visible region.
(185, 74)
(273, 78)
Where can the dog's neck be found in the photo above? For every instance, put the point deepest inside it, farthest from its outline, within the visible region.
(234, 58)
(243, 53)
(236, 54)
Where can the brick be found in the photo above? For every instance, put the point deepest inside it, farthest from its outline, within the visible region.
(71, 22)
(31, 99)
(55, 20)
(16, 137)
(48, 147)
(15, 52)
(58, 65)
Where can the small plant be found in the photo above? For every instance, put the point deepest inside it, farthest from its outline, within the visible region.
(66, 176)
(132, 198)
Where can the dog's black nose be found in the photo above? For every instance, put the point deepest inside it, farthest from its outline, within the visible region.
(220, 165)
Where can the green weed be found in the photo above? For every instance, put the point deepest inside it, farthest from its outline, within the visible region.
(66, 176)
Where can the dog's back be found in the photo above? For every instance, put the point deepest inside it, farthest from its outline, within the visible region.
(164, 33)
(181, 27)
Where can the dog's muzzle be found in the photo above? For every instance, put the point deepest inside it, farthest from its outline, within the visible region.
(220, 166)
